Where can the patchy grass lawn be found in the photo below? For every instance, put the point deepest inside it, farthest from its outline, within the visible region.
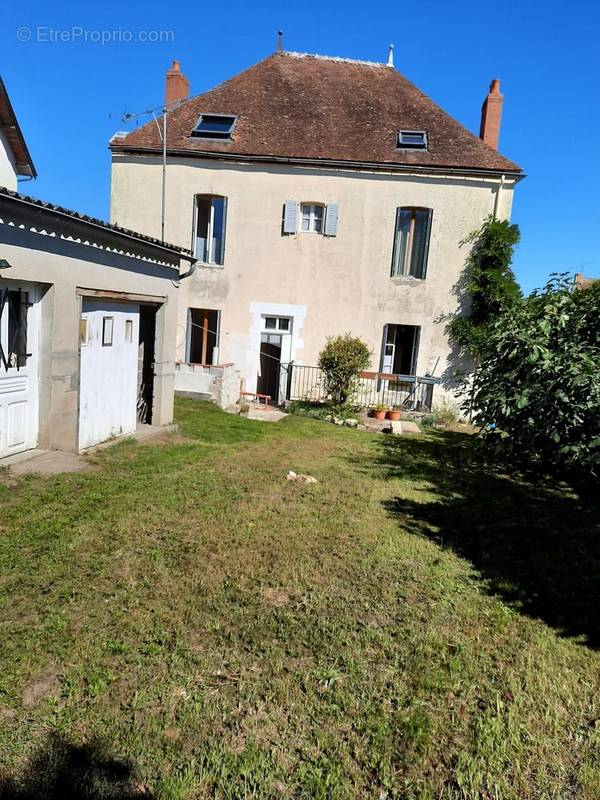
(182, 622)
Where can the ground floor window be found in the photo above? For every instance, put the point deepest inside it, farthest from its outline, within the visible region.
(203, 336)
(13, 328)
(400, 349)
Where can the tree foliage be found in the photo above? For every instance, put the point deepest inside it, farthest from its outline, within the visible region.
(536, 388)
(491, 284)
(342, 358)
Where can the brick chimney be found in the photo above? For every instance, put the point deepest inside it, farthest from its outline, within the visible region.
(177, 85)
(491, 113)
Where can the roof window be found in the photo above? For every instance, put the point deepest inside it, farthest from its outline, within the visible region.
(412, 140)
(214, 126)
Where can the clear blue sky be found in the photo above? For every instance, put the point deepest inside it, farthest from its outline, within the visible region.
(70, 96)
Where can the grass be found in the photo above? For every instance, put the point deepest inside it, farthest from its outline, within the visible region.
(182, 622)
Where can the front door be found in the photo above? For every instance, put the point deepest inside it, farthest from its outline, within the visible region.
(108, 388)
(270, 363)
(19, 308)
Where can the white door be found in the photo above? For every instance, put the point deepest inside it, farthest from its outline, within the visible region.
(19, 345)
(108, 381)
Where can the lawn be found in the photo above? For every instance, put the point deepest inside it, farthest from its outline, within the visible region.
(180, 621)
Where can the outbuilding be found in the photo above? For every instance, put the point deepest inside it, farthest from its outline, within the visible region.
(88, 316)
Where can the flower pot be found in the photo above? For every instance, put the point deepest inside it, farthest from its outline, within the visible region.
(393, 416)
(379, 414)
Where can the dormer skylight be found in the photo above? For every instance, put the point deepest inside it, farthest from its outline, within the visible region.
(412, 140)
(215, 126)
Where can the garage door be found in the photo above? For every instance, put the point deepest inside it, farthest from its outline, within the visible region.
(19, 309)
(108, 370)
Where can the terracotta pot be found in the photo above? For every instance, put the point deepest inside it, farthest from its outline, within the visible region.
(379, 414)
(393, 416)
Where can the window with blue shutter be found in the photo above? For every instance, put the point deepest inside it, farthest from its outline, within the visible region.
(331, 219)
(290, 216)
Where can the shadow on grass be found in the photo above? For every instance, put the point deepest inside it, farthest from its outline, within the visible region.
(63, 771)
(536, 545)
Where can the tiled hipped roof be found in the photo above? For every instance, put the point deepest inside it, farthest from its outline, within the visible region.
(316, 108)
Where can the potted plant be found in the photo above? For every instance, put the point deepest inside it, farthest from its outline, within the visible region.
(394, 414)
(379, 411)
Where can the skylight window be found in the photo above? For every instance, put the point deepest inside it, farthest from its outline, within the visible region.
(214, 126)
(412, 140)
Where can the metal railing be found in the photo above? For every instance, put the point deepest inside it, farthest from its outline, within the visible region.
(413, 393)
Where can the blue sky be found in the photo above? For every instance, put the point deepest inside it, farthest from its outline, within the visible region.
(70, 96)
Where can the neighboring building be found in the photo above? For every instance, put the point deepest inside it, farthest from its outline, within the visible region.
(581, 282)
(87, 318)
(320, 195)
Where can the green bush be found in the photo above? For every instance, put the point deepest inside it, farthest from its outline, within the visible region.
(342, 358)
(536, 389)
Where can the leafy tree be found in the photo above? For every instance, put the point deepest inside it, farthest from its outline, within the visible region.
(491, 284)
(342, 358)
(536, 389)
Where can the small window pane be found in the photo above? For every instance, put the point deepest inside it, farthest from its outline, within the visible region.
(270, 322)
(214, 126)
(128, 330)
(284, 324)
(107, 331)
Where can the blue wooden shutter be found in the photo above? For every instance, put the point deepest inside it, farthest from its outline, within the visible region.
(290, 216)
(331, 219)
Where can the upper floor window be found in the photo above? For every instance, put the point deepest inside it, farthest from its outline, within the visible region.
(209, 229)
(411, 242)
(214, 126)
(412, 140)
(312, 218)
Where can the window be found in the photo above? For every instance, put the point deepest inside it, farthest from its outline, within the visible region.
(312, 218)
(277, 324)
(211, 212)
(107, 331)
(203, 336)
(129, 330)
(412, 140)
(215, 126)
(400, 349)
(411, 242)
(13, 343)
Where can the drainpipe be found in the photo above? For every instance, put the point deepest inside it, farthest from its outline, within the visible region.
(497, 197)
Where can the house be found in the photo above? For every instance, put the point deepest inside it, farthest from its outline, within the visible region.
(321, 196)
(87, 318)
(581, 282)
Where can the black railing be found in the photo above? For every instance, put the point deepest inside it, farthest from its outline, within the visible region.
(410, 392)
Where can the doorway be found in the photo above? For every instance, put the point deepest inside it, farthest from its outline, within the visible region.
(270, 364)
(146, 345)
(108, 389)
(400, 349)
(19, 345)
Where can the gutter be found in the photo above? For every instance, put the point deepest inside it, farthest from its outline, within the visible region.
(366, 165)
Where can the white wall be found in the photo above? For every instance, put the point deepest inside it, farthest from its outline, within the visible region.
(8, 176)
(341, 284)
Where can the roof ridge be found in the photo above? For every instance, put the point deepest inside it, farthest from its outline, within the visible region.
(340, 59)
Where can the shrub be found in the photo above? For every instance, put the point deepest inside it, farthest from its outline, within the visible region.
(342, 358)
(536, 389)
(445, 412)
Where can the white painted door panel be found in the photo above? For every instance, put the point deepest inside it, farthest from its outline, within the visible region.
(18, 372)
(108, 370)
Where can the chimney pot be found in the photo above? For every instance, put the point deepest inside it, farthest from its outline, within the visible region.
(177, 86)
(491, 114)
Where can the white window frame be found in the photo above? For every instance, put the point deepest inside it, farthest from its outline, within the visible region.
(210, 260)
(312, 217)
(277, 328)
